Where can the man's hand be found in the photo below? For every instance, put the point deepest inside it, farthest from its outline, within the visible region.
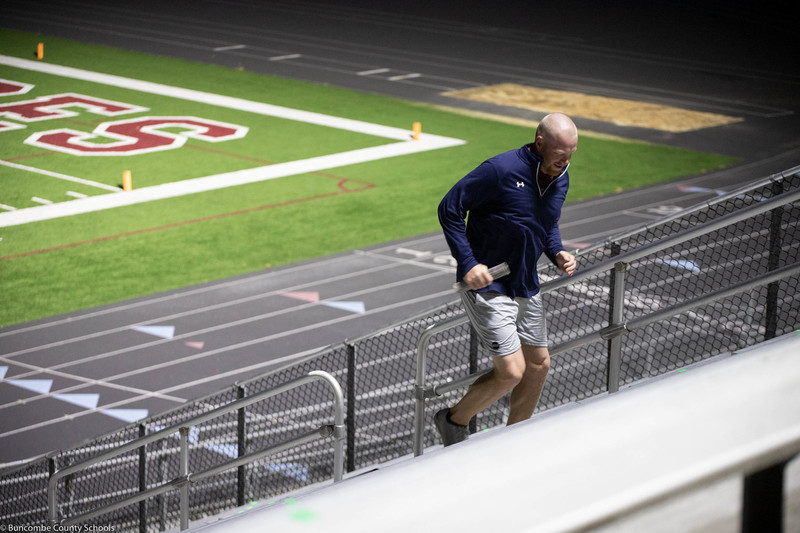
(566, 262)
(478, 277)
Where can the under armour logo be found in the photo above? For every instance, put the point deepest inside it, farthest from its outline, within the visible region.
(520, 184)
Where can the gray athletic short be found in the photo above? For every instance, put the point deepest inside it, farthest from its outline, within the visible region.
(503, 323)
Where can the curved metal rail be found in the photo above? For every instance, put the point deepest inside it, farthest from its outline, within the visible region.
(185, 478)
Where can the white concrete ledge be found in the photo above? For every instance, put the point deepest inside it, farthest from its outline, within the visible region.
(577, 470)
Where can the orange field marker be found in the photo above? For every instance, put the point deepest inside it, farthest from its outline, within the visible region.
(417, 127)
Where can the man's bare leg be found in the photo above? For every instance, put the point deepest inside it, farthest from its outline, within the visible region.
(507, 373)
(526, 394)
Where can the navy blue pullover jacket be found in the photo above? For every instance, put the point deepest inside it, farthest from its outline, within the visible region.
(510, 219)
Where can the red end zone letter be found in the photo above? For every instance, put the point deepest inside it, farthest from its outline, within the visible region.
(50, 107)
(53, 106)
(136, 136)
(11, 87)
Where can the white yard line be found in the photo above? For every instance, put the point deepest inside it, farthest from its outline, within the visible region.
(210, 183)
(60, 176)
(170, 190)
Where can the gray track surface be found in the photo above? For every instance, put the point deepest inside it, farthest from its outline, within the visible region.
(698, 58)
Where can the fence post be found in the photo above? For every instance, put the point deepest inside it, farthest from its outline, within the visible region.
(163, 472)
(52, 509)
(69, 487)
(473, 368)
(142, 481)
(617, 319)
(419, 389)
(615, 315)
(241, 441)
(775, 243)
(184, 471)
(350, 422)
(615, 251)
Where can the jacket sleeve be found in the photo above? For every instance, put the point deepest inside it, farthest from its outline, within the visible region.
(553, 243)
(470, 192)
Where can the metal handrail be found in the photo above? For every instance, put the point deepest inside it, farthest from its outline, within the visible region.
(677, 238)
(774, 178)
(763, 182)
(419, 387)
(423, 392)
(185, 478)
(618, 327)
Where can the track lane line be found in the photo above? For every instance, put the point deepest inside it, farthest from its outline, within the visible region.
(289, 270)
(204, 309)
(109, 380)
(227, 325)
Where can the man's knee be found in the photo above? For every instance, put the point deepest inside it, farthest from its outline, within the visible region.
(509, 370)
(540, 366)
(537, 359)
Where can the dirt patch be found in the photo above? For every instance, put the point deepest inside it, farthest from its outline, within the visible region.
(615, 110)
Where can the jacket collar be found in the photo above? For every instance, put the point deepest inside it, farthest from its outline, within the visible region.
(535, 161)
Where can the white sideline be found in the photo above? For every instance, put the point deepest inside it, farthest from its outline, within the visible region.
(426, 142)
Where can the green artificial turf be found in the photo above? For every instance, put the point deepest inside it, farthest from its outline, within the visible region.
(70, 263)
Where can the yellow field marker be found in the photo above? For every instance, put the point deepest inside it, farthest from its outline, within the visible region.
(417, 130)
(127, 182)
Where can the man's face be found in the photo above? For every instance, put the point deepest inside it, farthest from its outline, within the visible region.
(556, 153)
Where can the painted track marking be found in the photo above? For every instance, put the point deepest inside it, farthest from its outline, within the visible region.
(218, 327)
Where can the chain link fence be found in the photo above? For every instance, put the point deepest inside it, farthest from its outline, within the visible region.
(377, 372)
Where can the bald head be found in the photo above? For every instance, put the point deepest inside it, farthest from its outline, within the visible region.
(558, 126)
(556, 141)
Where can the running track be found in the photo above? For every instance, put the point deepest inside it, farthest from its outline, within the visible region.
(72, 377)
